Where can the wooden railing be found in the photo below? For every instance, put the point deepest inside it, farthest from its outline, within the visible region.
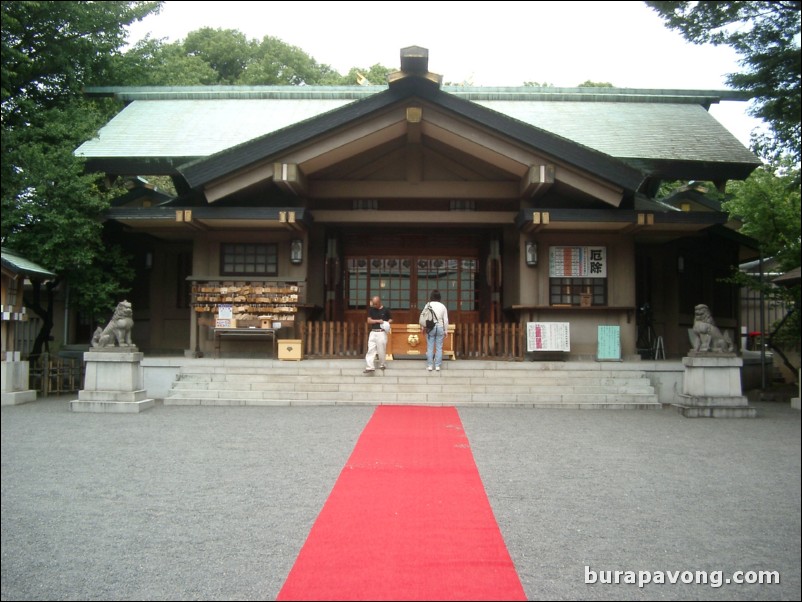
(471, 341)
(490, 341)
(334, 339)
(50, 374)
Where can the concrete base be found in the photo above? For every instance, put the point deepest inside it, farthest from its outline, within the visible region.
(14, 398)
(711, 387)
(718, 412)
(715, 407)
(113, 382)
(111, 406)
(15, 382)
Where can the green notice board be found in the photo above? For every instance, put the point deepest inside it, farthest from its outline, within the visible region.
(609, 344)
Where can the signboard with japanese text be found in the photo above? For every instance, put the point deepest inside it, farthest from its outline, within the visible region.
(548, 336)
(609, 345)
(578, 262)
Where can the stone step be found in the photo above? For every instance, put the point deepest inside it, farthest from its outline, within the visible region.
(483, 386)
(612, 401)
(581, 385)
(393, 376)
(407, 377)
(352, 366)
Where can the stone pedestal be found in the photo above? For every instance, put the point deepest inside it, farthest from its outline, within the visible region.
(15, 381)
(114, 382)
(711, 387)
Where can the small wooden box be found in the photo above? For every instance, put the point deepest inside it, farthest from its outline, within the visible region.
(585, 300)
(290, 349)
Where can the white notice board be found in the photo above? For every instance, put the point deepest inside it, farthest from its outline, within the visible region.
(548, 336)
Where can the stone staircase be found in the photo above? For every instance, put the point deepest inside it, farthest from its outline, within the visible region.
(576, 385)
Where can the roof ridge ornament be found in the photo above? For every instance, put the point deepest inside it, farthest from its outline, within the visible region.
(414, 64)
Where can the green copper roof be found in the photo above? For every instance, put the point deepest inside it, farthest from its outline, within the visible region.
(173, 125)
(17, 263)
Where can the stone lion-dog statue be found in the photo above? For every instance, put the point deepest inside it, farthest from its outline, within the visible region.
(118, 331)
(706, 336)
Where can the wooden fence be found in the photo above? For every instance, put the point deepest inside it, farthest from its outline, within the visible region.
(471, 341)
(490, 341)
(50, 374)
(334, 339)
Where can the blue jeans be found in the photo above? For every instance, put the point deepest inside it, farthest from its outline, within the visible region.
(434, 346)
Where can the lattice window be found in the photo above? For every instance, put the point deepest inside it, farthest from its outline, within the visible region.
(248, 259)
(578, 291)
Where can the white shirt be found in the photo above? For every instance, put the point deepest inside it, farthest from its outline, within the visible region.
(441, 313)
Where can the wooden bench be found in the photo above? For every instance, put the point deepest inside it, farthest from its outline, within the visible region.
(243, 333)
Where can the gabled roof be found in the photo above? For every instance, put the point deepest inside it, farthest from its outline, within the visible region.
(13, 261)
(666, 133)
(790, 278)
(696, 194)
(547, 143)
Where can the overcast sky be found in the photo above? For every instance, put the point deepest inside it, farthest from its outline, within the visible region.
(481, 43)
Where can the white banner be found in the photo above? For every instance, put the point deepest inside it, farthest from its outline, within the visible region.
(548, 336)
(578, 262)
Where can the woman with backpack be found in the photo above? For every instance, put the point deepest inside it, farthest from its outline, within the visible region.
(435, 312)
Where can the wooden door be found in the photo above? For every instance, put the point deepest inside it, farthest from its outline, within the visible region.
(404, 285)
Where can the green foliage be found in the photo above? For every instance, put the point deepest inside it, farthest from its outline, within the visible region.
(377, 75)
(538, 85)
(278, 63)
(766, 35)
(152, 63)
(50, 50)
(591, 84)
(768, 204)
(228, 52)
(225, 57)
(51, 209)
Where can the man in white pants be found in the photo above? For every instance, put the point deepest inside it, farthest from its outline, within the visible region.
(379, 325)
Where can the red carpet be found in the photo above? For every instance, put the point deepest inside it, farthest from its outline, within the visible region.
(408, 519)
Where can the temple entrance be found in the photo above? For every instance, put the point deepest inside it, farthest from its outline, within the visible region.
(405, 284)
(404, 268)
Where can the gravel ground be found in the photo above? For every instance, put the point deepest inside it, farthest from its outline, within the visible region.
(214, 503)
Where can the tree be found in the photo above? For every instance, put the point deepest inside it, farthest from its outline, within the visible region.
(591, 84)
(376, 75)
(768, 204)
(277, 63)
(222, 57)
(153, 63)
(227, 51)
(766, 35)
(50, 50)
(51, 209)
